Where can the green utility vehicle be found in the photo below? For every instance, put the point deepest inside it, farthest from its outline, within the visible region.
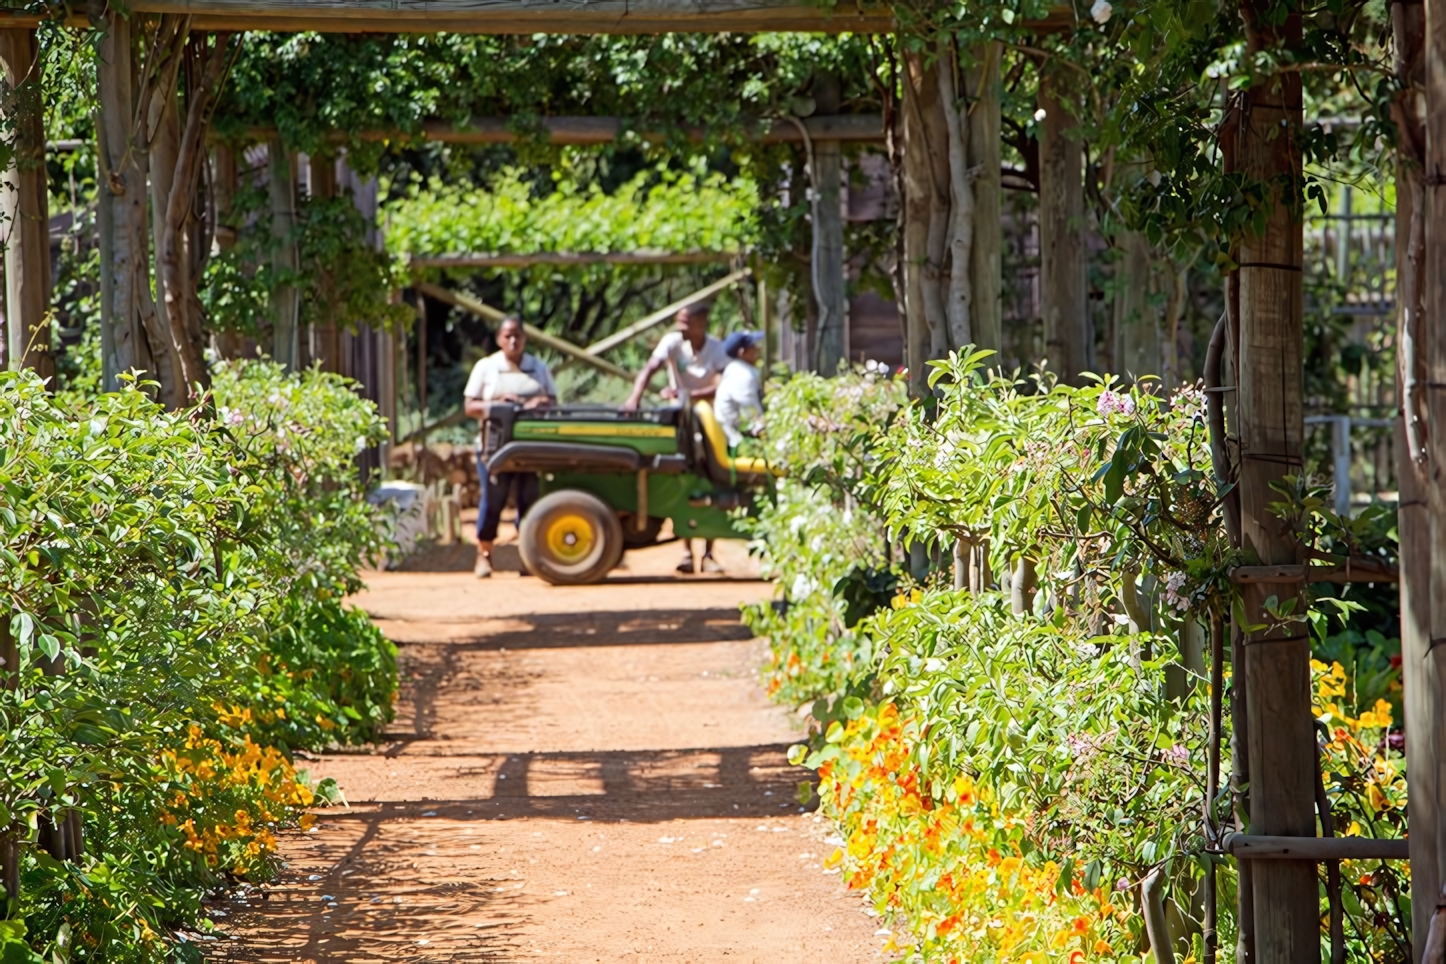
(608, 480)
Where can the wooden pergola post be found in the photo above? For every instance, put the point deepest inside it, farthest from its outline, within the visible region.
(285, 300)
(826, 176)
(26, 211)
(1063, 274)
(1271, 426)
(1427, 654)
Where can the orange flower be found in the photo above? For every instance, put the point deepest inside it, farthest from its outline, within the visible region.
(1081, 925)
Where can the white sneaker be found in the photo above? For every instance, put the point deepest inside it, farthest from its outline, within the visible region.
(483, 568)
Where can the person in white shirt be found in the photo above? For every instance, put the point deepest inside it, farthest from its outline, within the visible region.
(508, 376)
(738, 401)
(697, 360)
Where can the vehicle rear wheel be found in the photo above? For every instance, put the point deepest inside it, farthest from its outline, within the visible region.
(570, 538)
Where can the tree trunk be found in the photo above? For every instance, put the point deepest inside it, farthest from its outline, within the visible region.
(131, 114)
(26, 209)
(959, 299)
(926, 216)
(1137, 325)
(165, 148)
(1271, 423)
(1064, 285)
(982, 154)
(285, 299)
(176, 182)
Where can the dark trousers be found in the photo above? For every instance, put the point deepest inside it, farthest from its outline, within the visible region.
(494, 498)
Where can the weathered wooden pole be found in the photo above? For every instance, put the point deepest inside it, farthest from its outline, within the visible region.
(1136, 339)
(830, 292)
(285, 298)
(1271, 427)
(26, 210)
(1063, 278)
(1428, 699)
(325, 336)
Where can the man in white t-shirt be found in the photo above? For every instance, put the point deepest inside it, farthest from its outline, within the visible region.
(697, 360)
(513, 377)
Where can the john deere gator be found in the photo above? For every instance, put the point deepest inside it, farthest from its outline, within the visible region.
(609, 480)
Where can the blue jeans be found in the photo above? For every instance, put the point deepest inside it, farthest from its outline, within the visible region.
(494, 498)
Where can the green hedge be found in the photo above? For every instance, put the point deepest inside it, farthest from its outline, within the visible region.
(172, 585)
(1004, 780)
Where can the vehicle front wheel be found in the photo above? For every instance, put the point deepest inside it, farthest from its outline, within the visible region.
(571, 538)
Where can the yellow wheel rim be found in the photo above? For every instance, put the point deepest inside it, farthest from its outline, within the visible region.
(570, 537)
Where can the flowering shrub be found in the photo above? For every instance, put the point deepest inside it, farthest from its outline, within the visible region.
(228, 800)
(1008, 765)
(172, 626)
(952, 861)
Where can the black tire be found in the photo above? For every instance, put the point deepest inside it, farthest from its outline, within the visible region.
(571, 538)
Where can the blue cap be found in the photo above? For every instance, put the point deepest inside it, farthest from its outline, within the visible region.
(740, 340)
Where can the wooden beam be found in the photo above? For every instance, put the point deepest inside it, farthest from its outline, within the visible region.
(1293, 574)
(522, 16)
(584, 131)
(518, 16)
(1244, 846)
(570, 258)
(663, 314)
(486, 311)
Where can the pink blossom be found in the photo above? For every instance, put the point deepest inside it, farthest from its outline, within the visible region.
(1174, 597)
(1115, 403)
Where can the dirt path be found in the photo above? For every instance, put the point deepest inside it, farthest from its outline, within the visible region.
(585, 774)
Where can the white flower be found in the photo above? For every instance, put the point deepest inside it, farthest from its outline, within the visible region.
(1040, 115)
(1101, 11)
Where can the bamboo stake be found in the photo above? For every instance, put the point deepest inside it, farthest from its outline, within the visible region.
(1210, 937)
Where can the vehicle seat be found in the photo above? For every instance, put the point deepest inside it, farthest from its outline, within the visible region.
(724, 468)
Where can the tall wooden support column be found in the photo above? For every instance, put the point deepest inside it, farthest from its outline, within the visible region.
(1422, 668)
(27, 211)
(830, 293)
(1433, 341)
(286, 300)
(1271, 424)
(982, 154)
(1137, 325)
(1064, 286)
(828, 247)
(326, 336)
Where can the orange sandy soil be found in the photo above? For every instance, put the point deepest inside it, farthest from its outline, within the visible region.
(581, 774)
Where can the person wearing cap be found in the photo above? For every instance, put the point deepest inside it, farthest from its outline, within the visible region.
(696, 356)
(698, 359)
(509, 376)
(738, 401)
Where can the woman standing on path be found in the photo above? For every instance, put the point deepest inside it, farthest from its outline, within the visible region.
(507, 377)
